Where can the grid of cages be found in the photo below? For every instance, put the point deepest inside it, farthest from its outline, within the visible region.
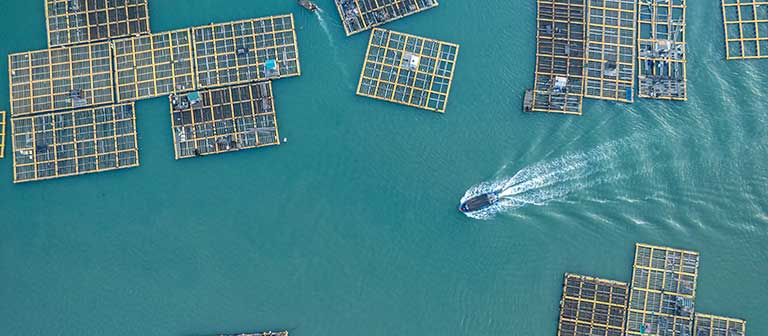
(58, 144)
(661, 50)
(246, 51)
(663, 291)
(224, 120)
(81, 21)
(711, 325)
(60, 78)
(154, 65)
(361, 15)
(746, 28)
(559, 79)
(408, 69)
(592, 306)
(611, 50)
(2, 134)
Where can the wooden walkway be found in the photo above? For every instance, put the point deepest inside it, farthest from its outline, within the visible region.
(86, 21)
(610, 63)
(711, 325)
(662, 47)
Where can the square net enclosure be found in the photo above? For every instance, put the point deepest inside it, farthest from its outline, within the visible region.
(361, 15)
(661, 45)
(246, 51)
(82, 21)
(560, 42)
(2, 134)
(408, 70)
(610, 63)
(711, 325)
(223, 120)
(60, 78)
(663, 291)
(592, 306)
(746, 28)
(76, 142)
(154, 65)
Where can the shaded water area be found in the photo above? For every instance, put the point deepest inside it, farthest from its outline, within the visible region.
(351, 227)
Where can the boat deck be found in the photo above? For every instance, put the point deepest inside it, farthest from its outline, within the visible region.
(82, 21)
(663, 291)
(610, 63)
(246, 51)
(746, 28)
(361, 15)
(224, 120)
(592, 306)
(2, 134)
(154, 65)
(560, 42)
(408, 70)
(662, 47)
(75, 142)
(60, 78)
(711, 325)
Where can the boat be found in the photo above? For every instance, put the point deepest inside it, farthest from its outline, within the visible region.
(479, 202)
(309, 5)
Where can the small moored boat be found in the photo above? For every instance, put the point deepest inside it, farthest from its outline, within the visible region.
(309, 5)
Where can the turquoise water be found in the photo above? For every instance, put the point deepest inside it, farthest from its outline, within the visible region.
(351, 227)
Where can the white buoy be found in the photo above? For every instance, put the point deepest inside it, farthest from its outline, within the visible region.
(285, 139)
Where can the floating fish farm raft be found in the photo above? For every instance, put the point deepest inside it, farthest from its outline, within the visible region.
(560, 39)
(592, 306)
(660, 300)
(610, 60)
(360, 15)
(63, 113)
(245, 51)
(60, 78)
(154, 65)
(710, 325)
(265, 333)
(224, 120)
(2, 134)
(408, 69)
(592, 49)
(74, 142)
(82, 21)
(661, 50)
(746, 28)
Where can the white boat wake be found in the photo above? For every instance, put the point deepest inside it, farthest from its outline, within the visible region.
(553, 180)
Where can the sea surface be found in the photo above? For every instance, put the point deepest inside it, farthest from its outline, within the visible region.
(351, 227)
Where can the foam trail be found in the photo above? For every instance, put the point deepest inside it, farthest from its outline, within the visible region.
(552, 180)
(319, 13)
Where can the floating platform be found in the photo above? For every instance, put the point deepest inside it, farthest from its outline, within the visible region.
(746, 28)
(246, 51)
(610, 62)
(361, 15)
(60, 78)
(223, 120)
(154, 65)
(661, 50)
(592, 306)
(82, 21)
(408, 70)
(711, 325)
(2, 134)
(560, 44)
(75, 142)
(663, 291)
